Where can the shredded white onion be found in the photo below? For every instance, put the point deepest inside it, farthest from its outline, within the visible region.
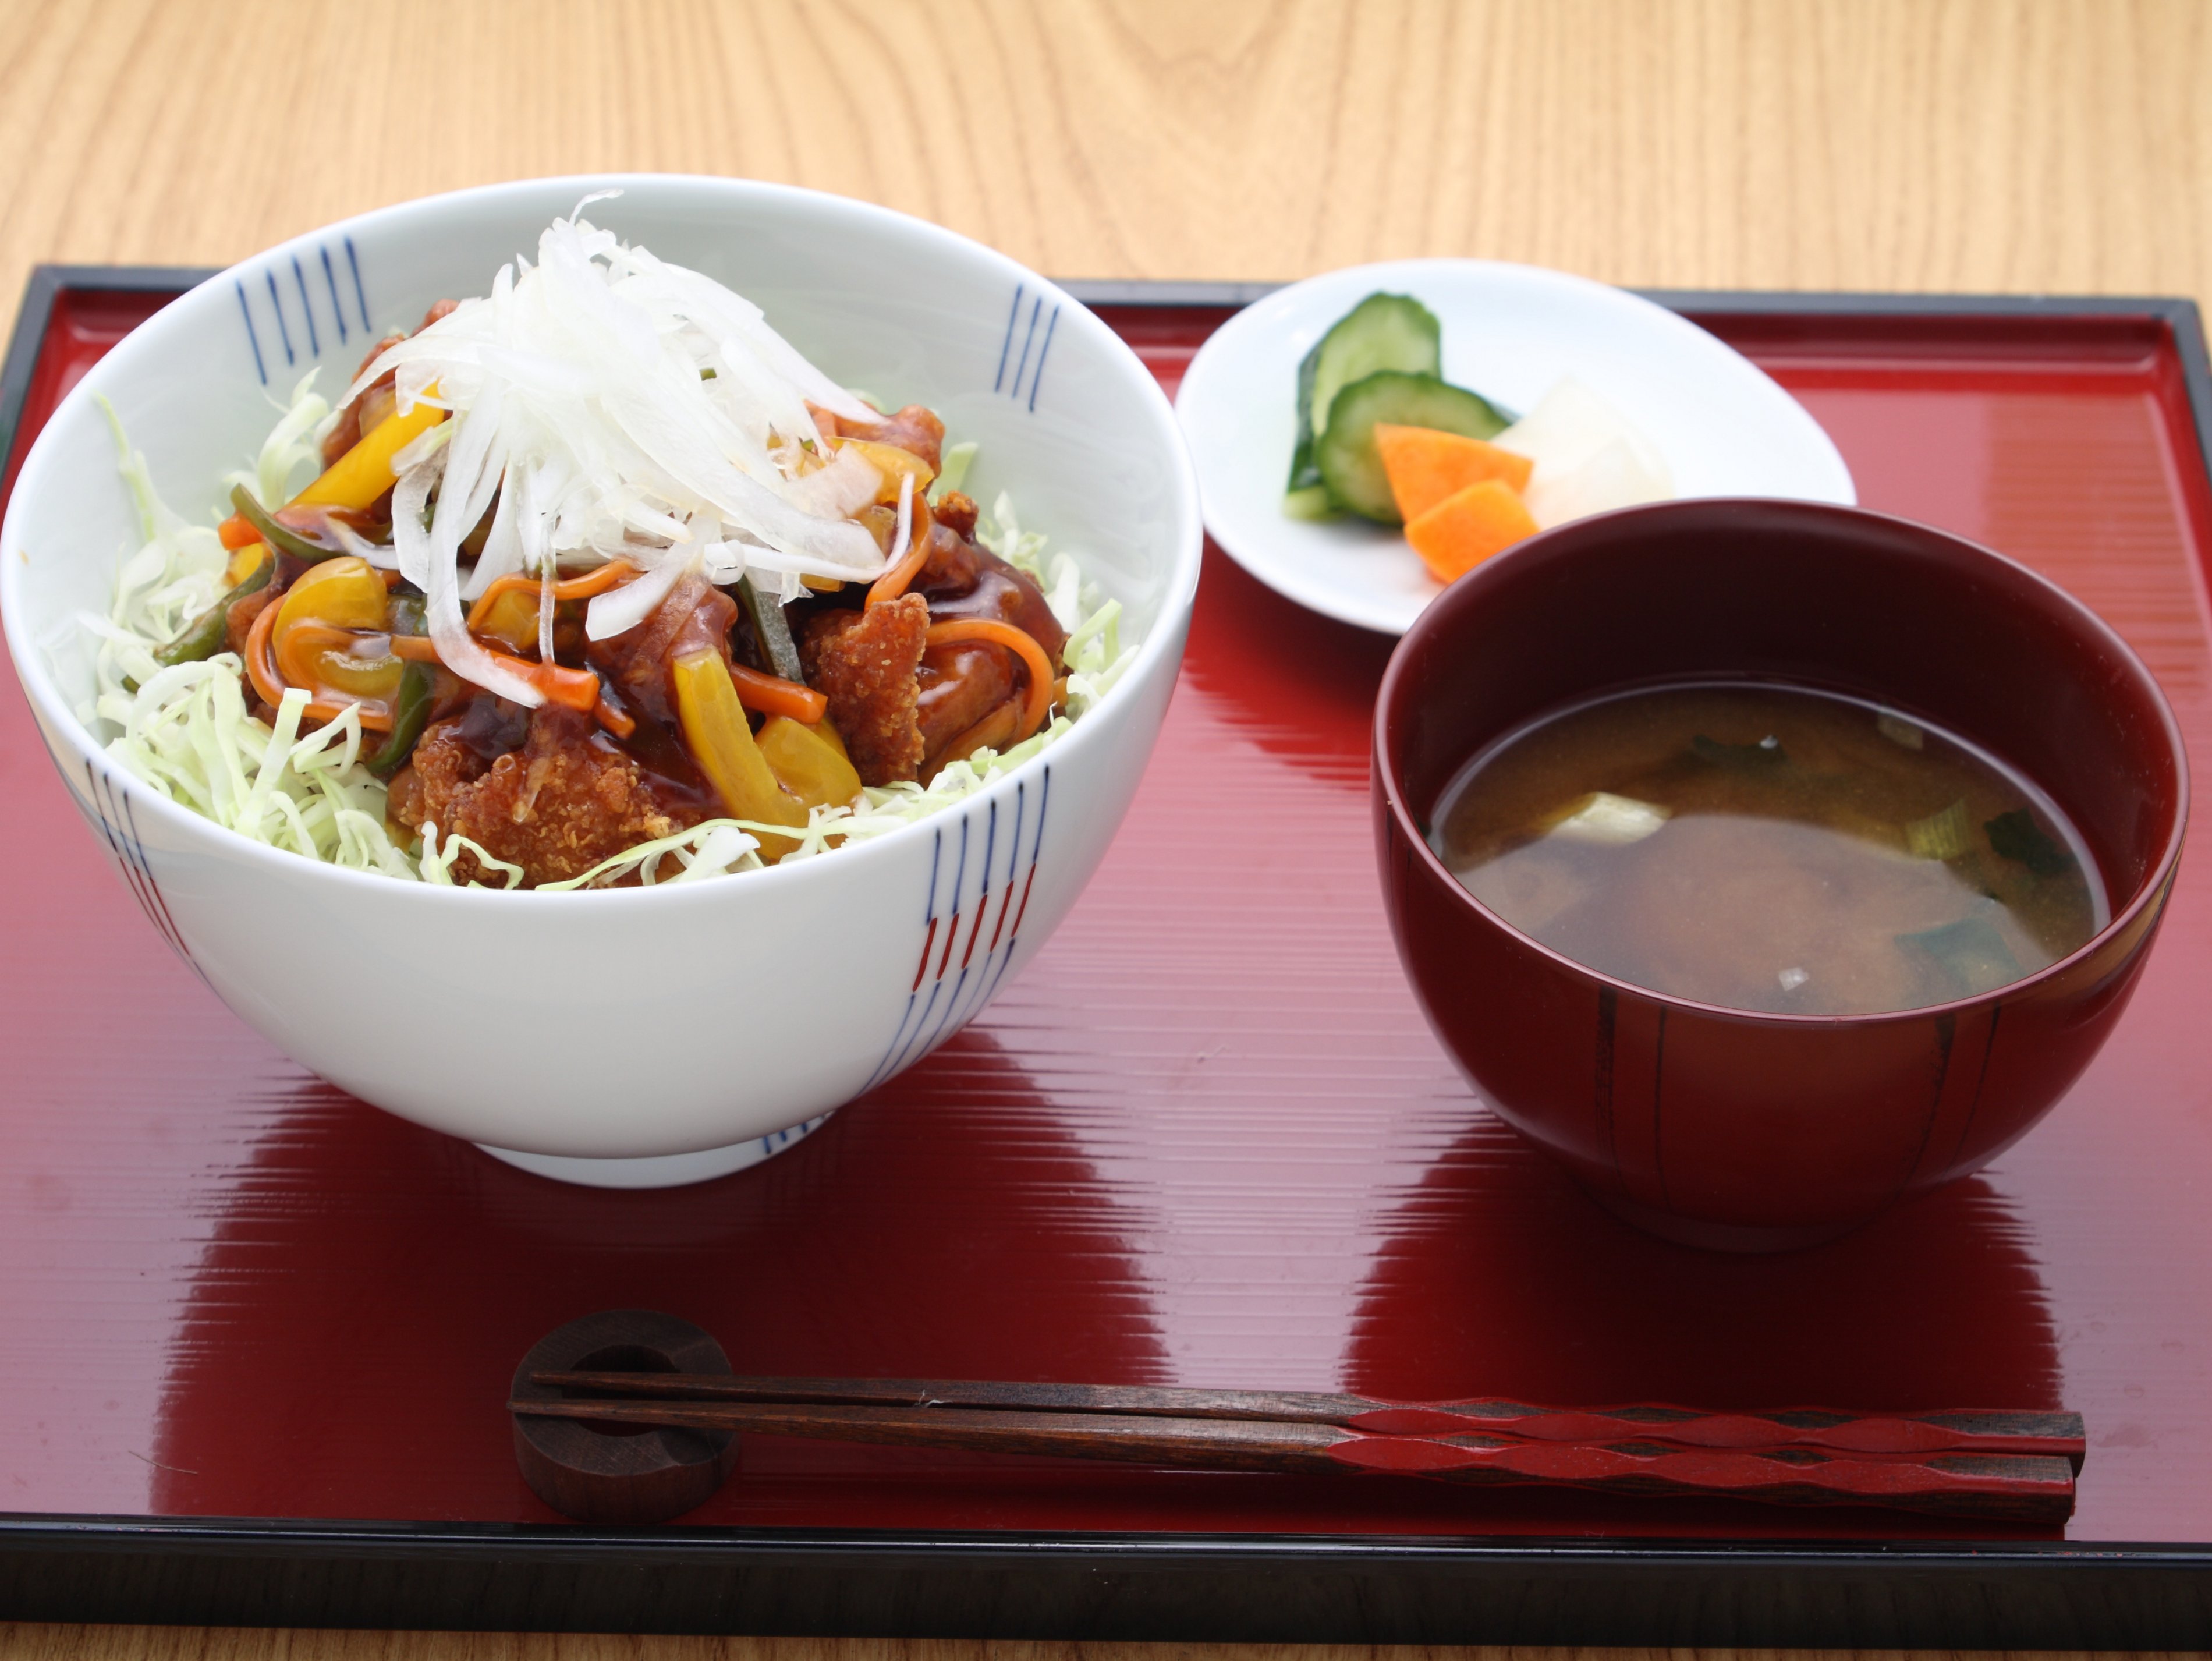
(620, 408)
(904, 538)
(620, 609)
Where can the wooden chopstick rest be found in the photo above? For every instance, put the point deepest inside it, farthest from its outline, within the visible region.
(625, 1478)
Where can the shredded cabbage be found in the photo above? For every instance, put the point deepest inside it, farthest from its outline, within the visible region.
(296, 439)
(184, 730)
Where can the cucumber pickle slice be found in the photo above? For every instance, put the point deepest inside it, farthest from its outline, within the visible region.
(1382, 331)
(1345, 454)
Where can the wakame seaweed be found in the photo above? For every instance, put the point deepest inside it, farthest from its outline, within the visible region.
(2016, 836)
(1971, 952)
(1767, 753)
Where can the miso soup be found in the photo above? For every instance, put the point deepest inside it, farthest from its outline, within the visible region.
(1768, 848)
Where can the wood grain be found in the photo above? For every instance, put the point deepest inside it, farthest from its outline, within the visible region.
(44, 1643)
(1970, 145)
(1976, 144)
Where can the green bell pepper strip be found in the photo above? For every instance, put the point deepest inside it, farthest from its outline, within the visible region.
(410, 713)
(280, 537)
(773, 631)
(208, 633)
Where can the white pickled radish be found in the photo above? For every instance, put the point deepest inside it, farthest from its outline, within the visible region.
(1615, 477)
(1590, 458)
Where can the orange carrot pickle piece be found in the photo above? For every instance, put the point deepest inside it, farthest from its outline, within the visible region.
(1424, 466)
(1467, 527)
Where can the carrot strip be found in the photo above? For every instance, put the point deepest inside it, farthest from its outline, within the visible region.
(237, 532)
(772, 695)
(613, 719)
(573, 689)
(257, 669)
(915, 511)
(612, 575)
(272, 687)
(988, 632)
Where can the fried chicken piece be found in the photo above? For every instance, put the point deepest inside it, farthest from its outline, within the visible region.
(864, 662)
(974, 582)
(957, 687)
(957, 513)
(696, 617)
(950, 565)
(567, 800)
(915, 429)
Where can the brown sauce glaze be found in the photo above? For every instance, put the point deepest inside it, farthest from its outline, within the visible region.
(956, 687)
(999, 592)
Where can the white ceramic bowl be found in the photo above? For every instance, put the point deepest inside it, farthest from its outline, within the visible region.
(634, 1038)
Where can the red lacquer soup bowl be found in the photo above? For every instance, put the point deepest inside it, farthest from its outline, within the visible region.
(1717, 1127)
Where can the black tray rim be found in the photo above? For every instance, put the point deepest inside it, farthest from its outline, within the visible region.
(1631, 1591)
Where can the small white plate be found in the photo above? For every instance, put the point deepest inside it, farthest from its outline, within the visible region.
(1510, 332)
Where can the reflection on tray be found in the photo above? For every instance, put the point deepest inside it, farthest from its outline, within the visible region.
(1153, 1161)
(401, 1298)
(1499, 1270)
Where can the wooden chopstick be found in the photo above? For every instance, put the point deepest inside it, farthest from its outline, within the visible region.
(2023, 1488)
(2057, 1435)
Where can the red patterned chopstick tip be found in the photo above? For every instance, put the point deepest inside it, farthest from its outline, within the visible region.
(2050, 1434)
(2026, 1489)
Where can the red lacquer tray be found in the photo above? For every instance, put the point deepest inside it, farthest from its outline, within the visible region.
(258, 1334)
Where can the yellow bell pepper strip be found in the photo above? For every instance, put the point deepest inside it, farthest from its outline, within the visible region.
(271, 686)
(879, 522)
(327, 636)
(612, 575)
(826, 730)
(245, 561)
(507, 610)
(345, 592)
(364, 473)
(359, 666)
(773, 696)
(987, 631)
(892, 464)
(721, 742)
(805, 763)
(509, 618)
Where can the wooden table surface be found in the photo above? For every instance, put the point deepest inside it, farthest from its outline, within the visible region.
(1974, 145)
